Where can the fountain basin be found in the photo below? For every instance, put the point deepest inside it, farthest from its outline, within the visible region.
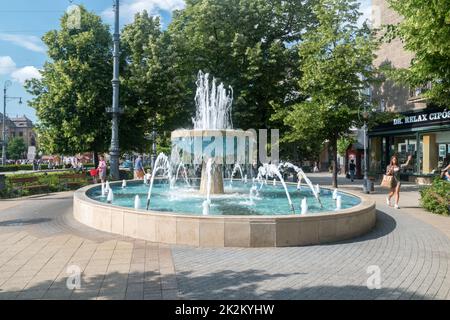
(225, 230)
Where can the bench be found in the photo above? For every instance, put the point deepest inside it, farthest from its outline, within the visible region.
(29, 183)
(73, 179)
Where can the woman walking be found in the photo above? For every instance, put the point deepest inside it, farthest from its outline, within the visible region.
(393, 169)
(102, 169)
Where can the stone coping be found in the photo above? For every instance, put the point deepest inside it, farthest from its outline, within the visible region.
(225, 230)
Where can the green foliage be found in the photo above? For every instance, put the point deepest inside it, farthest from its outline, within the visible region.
(335, 62)
(75, 89)
(19, 167)
(248, 44)
(425, 31)
(436, 198)
(15, 167)
(154, 89)
(51, 181)
(16, 148)
(343, 143)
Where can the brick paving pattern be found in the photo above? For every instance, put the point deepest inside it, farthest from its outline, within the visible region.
(39, 241)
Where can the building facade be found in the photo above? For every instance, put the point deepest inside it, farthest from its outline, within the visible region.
(421, 130)
(18, 127)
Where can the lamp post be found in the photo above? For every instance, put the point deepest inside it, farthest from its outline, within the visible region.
(5, 98)
(366, 188)
(153, 145)
(115, 110)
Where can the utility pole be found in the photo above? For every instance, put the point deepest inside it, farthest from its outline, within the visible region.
(4, 126)
(5, 98)
(115, 111)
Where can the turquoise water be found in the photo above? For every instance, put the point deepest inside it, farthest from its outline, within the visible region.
(182, 199)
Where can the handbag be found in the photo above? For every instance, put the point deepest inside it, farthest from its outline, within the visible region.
(388, 181)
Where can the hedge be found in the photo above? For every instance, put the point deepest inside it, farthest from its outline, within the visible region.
(49, 179)
(18, 167)
(436, 198)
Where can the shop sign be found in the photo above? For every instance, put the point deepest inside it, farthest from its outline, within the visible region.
(425, 117)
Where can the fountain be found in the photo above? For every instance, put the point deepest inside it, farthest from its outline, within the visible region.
(137, 202)
(213, 127)
(235, 170)
(200, 209)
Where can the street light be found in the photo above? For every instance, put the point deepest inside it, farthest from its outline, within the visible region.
(366, 188)
(153, 145)
(5, 98)
(115, 110)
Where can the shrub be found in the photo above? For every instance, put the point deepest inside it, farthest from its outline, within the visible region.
(15, 167)
(18, 167)
(49, 179)
(436, 198)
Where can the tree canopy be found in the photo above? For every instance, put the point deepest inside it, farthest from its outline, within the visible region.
(425, 31)
(294, 65)
(75, 89)
(16, 148)
(335, 62)
(248, 44)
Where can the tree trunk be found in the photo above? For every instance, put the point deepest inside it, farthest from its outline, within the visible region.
(96, 158)
(335, 162)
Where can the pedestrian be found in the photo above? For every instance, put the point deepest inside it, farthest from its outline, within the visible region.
(138, 169)
(352, 169)
(102, 169)
(316, 168)
(393, 169)
(445, 170)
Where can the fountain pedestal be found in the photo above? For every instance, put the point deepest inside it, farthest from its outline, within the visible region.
(216, 180)
(228, 145)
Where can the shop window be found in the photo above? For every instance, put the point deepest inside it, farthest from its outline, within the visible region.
(435, 151)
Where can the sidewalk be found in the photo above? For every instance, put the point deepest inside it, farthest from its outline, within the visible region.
(409, 199)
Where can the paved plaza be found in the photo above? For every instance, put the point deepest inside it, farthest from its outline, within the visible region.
(41, 243)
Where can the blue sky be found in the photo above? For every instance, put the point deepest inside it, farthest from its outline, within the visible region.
(23, 22)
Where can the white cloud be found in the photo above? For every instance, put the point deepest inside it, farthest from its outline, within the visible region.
(25, 73)
(7, 65)
(32, 43)
(130, 7)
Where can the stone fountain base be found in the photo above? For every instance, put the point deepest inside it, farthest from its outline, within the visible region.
(225, 230)
(216, 180)
(230, 144)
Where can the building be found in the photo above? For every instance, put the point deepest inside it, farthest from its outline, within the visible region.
(421, 130)
(20, 127)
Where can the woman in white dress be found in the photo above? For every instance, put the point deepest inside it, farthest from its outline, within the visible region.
(393, 169)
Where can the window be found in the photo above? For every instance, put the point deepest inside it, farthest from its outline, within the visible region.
(435, 151)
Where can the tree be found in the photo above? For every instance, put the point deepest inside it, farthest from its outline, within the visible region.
(16, 148)
(335, 62)
(75, 89)
(343, 143)
(248, 44)
(425, 30)
(154, 92)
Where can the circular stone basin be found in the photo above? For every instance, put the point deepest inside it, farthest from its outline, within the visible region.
(175, 215)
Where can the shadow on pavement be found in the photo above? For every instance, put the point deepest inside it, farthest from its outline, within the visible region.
(22, 222)
(221, 285)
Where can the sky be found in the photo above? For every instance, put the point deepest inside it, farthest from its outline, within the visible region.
(24, 22)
